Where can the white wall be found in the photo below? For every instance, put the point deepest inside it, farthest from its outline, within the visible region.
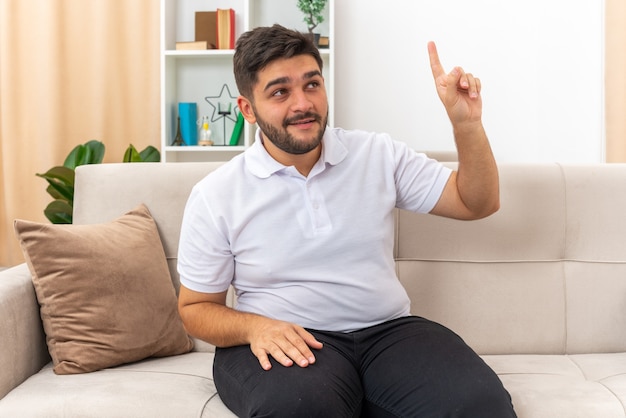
(540, 63)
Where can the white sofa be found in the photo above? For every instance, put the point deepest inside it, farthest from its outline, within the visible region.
(538, 289)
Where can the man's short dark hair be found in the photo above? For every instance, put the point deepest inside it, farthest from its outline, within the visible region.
(260, 46)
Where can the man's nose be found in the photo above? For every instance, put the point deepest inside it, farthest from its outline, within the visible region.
(300, 101)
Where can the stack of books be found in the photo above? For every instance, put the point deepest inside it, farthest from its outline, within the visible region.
(213, 30)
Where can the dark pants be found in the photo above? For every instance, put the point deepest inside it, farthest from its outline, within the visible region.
(409, 367)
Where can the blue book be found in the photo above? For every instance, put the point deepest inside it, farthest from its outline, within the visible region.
(188, 113)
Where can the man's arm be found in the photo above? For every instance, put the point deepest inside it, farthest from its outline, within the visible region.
(206, 316)
(472, 192)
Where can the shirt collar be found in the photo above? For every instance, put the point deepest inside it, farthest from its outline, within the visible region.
(261, 164)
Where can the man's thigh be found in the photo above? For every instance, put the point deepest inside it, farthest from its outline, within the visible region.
(413, 367)
(329, 387)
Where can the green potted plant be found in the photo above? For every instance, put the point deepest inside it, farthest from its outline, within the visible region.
(312, 10)
(61, 178)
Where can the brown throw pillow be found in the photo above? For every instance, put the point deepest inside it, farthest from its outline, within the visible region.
(105, 293)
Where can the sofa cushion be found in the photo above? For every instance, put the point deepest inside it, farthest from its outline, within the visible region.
(555, 386)
(175, 386)
(541, 386)
(105, 292)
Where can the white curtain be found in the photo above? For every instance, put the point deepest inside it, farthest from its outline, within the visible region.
(615, 82)
(70, 71)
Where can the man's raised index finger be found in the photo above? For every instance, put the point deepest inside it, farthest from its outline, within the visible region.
(435, 64)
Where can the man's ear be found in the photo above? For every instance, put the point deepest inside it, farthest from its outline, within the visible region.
(245, 106)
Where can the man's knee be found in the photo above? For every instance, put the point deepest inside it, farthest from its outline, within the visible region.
(295, 400)
(486, 398)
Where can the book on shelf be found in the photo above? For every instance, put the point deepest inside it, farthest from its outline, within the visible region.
(188, 115)
(206, 28)
(192, 45)
(225, 29)
(237, 130)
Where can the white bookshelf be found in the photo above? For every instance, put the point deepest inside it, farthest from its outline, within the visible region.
(190, 76)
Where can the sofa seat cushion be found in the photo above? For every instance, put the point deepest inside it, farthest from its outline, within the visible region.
(550, 386)
(177, 386)
(553, 386)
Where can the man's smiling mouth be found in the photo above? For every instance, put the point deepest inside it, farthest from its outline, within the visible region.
(303, 122)
(306, 119)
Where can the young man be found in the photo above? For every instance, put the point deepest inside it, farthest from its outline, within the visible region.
(301, 225)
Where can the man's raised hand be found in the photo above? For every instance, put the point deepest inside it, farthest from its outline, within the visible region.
(459, 91)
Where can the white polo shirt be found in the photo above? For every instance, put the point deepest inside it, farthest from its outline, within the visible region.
(318, 250)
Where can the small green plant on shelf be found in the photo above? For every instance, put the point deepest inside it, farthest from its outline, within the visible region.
(312, 10)
(61, 178)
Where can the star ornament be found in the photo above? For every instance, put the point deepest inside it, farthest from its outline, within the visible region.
(222, 105)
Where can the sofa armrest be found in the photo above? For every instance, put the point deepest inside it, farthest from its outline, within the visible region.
(23, 350)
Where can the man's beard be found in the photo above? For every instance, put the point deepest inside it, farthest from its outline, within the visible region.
(285, 141)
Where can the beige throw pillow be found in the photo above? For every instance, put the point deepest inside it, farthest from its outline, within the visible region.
(105, 292)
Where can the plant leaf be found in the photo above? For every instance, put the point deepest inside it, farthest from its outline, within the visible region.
(61, 179)
(95, 153)
(59, 173)
(91, 152)
(76, 155)
(150, 155)
(53, 192)
(59, 212)
(131, 155)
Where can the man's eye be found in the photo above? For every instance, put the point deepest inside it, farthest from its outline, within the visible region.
(313, 84)
(279, 92)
